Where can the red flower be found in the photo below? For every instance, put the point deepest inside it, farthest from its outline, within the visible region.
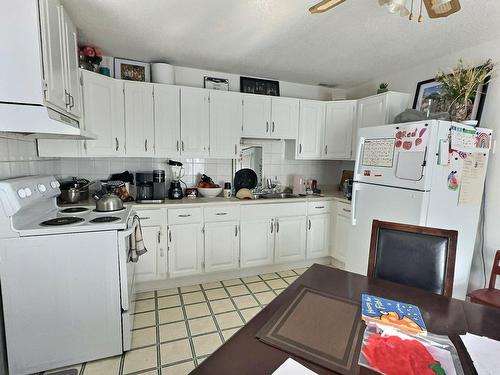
(98, 52)
(88, 51)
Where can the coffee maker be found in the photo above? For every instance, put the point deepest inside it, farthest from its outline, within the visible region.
(177, 170)
(150, 186)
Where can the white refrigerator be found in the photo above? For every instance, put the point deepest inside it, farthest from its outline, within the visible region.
(410, 173)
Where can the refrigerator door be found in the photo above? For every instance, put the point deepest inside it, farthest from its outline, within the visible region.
(374, 202)
(397, 155)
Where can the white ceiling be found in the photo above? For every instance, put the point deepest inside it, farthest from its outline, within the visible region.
(353, 43)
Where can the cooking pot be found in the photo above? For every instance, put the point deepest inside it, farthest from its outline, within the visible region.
(75, 190)
(109, 203)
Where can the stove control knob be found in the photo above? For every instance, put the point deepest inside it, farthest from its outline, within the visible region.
(21, 193)
(54, 184)
(28, 192)
(42, 188)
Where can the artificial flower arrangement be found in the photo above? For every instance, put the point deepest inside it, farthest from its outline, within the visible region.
(90, 58)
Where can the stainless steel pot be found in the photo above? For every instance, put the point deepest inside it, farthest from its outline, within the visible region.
(109, 203)
(70, 195)
(75, 190)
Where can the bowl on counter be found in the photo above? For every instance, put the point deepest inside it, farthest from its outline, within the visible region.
(209, 192)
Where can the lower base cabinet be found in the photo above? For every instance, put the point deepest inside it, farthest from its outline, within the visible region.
(222, 246)
(185, 249)
(341, 230)
(290, 238)
(257, 242)
(318, 236)
(148, 266)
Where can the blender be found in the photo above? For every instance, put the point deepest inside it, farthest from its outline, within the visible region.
(177, 170)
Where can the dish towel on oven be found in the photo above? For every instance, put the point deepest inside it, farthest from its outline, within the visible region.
(137, 247)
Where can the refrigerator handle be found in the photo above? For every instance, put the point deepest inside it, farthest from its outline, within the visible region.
(358, 158)
(355, 190)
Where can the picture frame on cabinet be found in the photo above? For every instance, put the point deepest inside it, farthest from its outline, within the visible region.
(430, 99)
(131, 70)
(213, 83)
(259, 86)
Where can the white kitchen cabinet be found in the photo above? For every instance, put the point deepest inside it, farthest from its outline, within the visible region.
(290, 243)
(339, 126)
(341, 230)
(284, 118)
(104, 114)
(221, 246)
(185, 249)
(311, 130)
(226, 117)
(71, 60)
(195, 122)
(256, 116)
(139, 122)
(257, 242)
(147, 267)
(167, 119)
(318, 236)
(60, 58)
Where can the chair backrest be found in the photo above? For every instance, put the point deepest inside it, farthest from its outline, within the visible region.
(495, 270)
(412, 255)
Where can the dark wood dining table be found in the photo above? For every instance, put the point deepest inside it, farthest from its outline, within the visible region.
(245, 354)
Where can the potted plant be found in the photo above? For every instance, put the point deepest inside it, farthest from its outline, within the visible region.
(383, 87)
(462, 85)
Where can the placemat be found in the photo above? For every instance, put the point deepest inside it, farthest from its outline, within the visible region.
(318, 327)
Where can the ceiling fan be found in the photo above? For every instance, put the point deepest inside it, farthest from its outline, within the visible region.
(435, 8)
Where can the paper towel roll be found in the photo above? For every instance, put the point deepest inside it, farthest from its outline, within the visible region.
(162, 73)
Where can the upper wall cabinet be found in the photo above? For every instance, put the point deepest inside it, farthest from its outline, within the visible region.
(104, 114)
(311, 130)
(167, 120)
(195, 122)
(339, 125)
(139, 123)
(270, 117)
(226, 116)
(60, 58)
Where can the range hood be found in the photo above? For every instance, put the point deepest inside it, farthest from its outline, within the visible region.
(36, 121)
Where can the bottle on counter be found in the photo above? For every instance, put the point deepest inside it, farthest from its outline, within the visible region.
(227, 190)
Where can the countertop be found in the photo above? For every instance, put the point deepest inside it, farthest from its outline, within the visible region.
(334, 195)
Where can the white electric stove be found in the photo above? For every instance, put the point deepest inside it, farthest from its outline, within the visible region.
(67, 279)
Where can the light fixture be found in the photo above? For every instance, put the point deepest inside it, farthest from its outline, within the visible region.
(324, 5)
(441, 8)
(395, 6)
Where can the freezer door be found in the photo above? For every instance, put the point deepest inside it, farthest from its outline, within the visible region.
(373, 202)
(397, 155)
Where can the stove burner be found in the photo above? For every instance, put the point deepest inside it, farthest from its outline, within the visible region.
(107, 212)
(62, 221)
(74, 210)
(104, 219)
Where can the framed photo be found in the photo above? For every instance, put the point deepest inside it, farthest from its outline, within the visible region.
(430, 99)
(216, 83)
(259, 86)
(131, 70)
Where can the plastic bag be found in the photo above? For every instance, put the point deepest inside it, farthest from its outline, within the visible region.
(390, 351)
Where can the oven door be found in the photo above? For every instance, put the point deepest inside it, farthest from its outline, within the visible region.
(127, 285)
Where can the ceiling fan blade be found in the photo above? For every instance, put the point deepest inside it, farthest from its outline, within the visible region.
(441, 8)
(325, 5)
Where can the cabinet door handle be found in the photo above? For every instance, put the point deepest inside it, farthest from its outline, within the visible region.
(273, 127)
(309, 224)
(184, 215)
(169, 236)
(144, 218)
(235, 149)
(117, 144)
(277, 226)
(182, 145)
(146, 145)
(267, 126)
(300, 148)
(236, 231)
(272, 226)
(177, 145)
(66, 98)
(346, 210)
(72, 101)
(326, 149)
(159, 236)
(221, 213)
(319, 207)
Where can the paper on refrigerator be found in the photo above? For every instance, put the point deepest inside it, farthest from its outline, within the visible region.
(472, 184)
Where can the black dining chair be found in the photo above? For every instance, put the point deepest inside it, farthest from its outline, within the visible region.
(412, 255)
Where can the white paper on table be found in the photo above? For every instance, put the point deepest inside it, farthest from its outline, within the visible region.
(472, 185)
(291, 367)
(483, 352)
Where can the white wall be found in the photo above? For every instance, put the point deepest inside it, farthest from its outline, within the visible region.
(406, 81)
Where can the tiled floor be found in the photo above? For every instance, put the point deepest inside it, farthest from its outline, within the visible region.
(176, 329)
